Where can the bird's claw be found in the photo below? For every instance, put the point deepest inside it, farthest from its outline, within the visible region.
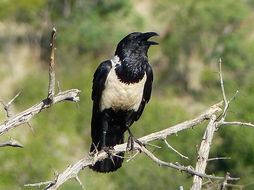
(130, 143)
(108, 150)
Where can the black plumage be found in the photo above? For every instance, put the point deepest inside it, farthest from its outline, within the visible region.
(121, 88)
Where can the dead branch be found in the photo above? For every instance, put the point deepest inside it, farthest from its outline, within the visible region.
(52, 78)
(179, 167)
(23, 117)
(237, 123)
(73, 170)
(7, 106)
(203, 153)
(172, 148)
(219, 158)
(226, 103)
(213, 125)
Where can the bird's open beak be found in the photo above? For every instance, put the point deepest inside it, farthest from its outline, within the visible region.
(148, 35)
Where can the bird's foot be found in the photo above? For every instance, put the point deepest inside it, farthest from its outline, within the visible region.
(108, 149)
(130, 143)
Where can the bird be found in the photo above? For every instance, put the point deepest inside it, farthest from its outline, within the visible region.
(121, 88)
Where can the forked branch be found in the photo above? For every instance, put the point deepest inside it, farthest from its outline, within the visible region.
(73, 170)
(23, 117)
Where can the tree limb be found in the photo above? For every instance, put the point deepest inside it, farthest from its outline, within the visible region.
(23, 117)
(52, 78)
(73, 170)
(203, 153)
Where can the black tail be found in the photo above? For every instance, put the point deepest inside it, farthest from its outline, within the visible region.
(108, 164)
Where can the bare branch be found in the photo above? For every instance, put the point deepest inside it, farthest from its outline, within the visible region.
(73, 170)
(153, 145)
(225, 181)
(30, 127)
(133, 156)
(15, 97)
(7, 106)
(233, 97)
(179, 167)
(219, 158)
(80, 183)
(25, 116)
(226, 102)
(38, 184)
(222, 86)
(52, 78)
(203, 153)
(172, 148)
(237, 123)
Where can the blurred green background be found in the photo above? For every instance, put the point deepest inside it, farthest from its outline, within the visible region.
(194, 34)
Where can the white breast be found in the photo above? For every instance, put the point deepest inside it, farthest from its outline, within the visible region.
(121, 96)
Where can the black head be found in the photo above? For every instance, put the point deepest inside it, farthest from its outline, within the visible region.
(135, 44)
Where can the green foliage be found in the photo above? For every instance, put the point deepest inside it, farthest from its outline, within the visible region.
(210, 28)
(21, 10)
(192, 31)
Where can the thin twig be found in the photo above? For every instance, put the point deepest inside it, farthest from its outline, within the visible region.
(179, 167)
(172, 148)
(52, 78)
(38, 184)
(7, 106)
(225, 181)
(80, 183)
(219, 158)
(153, 145)
(226, 103)
(133, 156)
(30, 127)
(237, 123)
(14, 98)
(233, 97)
(222, 84)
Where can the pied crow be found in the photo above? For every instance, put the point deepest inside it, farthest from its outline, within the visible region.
(121, 88)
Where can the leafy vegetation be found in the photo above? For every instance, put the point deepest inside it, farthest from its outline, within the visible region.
(194, 35)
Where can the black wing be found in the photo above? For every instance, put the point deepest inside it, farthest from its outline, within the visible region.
(147, 91)
(99, 79)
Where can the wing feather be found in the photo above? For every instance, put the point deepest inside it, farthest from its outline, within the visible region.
(147, 91)
(99, 79)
